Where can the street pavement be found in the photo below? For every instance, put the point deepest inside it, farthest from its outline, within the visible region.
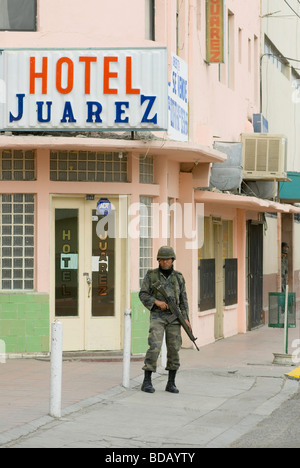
(230, 395)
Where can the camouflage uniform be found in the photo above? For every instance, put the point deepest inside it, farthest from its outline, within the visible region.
(174, 285)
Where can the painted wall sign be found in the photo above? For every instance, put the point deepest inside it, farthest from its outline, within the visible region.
(92, 89)
(215, 28)
(178, 100)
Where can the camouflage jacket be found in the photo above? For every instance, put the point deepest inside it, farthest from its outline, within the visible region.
(174, 286)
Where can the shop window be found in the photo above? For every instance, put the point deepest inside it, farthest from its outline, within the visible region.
(17, 242)
(87, 166)
(18, 15)
(146, 170)
(146, 244)
(17, 165)
(231, 281)
(207, 287)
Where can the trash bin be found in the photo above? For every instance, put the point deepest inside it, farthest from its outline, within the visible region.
(277, 309)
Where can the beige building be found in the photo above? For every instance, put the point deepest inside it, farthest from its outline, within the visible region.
(280, 105)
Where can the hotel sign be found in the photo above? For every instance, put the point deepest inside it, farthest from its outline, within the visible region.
(215, 28)
(83, 90)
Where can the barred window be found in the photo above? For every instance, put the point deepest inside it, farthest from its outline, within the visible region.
(87, 166)
(17, 242)
(146, 243)
(231, 281)
(17, 165)
(146, 170)
(207, 284)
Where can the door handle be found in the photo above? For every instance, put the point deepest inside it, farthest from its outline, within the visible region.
(89, 282)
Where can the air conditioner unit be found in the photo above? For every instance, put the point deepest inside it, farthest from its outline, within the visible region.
(264, 156)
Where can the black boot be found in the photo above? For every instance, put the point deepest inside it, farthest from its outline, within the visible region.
(171, 387)
(147, 384)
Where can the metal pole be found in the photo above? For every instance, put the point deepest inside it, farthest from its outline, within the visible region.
(127, 348)
(286, 321)
(56, 369)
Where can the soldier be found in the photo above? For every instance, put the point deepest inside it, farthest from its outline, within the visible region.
(174, 283)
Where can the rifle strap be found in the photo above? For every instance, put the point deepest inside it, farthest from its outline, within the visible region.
(156, 276)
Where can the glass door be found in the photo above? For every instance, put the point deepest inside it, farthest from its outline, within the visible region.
(67, 304)
(103, 264)
(87, 270)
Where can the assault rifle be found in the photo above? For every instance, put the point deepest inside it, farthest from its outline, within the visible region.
(176, 312)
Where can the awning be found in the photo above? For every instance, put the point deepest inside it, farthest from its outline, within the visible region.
(290, 191)
(244, 202)
(175, 150)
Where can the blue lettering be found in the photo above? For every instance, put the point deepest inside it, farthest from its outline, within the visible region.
(178, 117)
(182, 88)
(94, 113)
(176, 63)
(174, 76)
(68, 113)
(40, 105)
(20, 108)
(146, 118)
(120, 111)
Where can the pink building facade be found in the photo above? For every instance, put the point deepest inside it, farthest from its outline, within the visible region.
(59, 260)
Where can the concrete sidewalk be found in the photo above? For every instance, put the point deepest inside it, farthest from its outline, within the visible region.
(225, 390)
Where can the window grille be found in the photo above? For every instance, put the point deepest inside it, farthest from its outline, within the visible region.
(146, 170)
(17, 165)
(146, 243)
(231, 281)
(17, 242)
(207, 287)
(87, 166)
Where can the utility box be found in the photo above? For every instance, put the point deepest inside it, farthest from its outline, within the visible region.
(277, 310)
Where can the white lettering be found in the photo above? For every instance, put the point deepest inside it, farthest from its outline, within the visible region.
(115, 458)
(161, 457)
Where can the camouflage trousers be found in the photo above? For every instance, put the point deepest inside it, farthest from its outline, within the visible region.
(159, 325)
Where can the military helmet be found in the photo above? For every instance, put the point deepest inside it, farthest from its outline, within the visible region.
(166, 252)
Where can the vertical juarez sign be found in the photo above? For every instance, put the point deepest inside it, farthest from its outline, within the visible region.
(215, 28)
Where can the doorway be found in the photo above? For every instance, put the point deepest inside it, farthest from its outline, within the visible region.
(87, 292)
(255, 273)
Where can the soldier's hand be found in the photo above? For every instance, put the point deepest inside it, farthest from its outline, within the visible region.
(162, 305)
(188, 324)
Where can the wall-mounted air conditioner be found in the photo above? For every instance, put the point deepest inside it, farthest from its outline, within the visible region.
(264, 156)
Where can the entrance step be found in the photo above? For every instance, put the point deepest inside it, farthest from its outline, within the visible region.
(95, 356)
